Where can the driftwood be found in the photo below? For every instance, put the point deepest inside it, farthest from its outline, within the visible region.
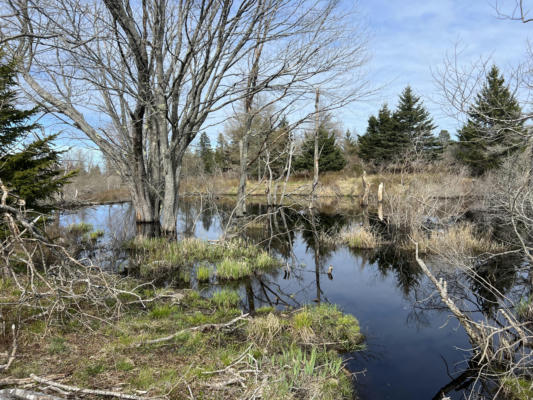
(77, 390)
(476, 335)
(199, 328)
(21, 394)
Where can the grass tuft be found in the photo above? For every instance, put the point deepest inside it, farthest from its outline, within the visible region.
(360, 238)
(226, 299)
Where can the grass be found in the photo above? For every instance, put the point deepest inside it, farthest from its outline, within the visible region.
(518, 388)
(524, 309)
(226, 298)
(360, 238)
(234, 259)
(105, 356)
(81, 228)
(203, 273)
(456, 240)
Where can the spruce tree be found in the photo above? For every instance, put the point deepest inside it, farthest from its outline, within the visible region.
(330, 155)
(378, 145)
(414, 128)
(206, 153)
(29, 169)
(494, 127)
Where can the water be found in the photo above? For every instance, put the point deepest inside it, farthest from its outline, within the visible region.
(414, 346)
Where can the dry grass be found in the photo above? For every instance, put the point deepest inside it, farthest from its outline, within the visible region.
(457, 240)
(359, 237)
(261, 352)
(447, 184)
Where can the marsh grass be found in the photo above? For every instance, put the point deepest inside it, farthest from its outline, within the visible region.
(226, 299)
(203, 273)
(456, 240)
(360, 237)
(234, 259)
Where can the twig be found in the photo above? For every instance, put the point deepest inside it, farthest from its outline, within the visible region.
(201, 328)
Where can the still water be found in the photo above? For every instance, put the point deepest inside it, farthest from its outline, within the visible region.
(414, 347)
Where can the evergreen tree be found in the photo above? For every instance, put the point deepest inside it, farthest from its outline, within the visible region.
(206, 153)
(330, 155)
(378, 144)
(407, 132)
(493, 129)
(222, 153)
(414, 127)
(30, 171)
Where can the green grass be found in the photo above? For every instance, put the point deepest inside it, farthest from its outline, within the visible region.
(233, 269)
(226, 298)
(203, 273)
(80, 228)
(57, 345)
(234, 259)
(518, 388)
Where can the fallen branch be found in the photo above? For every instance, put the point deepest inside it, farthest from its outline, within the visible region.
(77, 390)
(25, 381)
(201, 328)
(21, 394)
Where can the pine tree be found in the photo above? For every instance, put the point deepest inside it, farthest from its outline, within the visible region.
(30, 171)
(414, 128)
(330, 155)
(206, 153)
(494, 127)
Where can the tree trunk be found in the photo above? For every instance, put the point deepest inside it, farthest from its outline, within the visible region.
(316, 155)
(243, 171)
(169, 211)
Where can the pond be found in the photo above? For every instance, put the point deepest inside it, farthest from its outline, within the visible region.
(414, 347)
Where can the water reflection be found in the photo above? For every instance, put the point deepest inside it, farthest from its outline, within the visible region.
(411, 340)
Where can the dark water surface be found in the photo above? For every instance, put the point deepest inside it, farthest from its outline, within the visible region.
(414, 346)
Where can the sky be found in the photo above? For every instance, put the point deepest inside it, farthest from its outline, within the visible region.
(410, 38)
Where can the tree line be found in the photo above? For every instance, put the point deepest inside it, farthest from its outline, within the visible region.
(399, 138)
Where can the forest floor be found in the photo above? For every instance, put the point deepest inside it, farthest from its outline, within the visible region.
(187, 346)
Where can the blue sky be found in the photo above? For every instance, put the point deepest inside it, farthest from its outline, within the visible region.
(409, 38)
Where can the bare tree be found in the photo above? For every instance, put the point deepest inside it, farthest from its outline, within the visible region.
(140, 80)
